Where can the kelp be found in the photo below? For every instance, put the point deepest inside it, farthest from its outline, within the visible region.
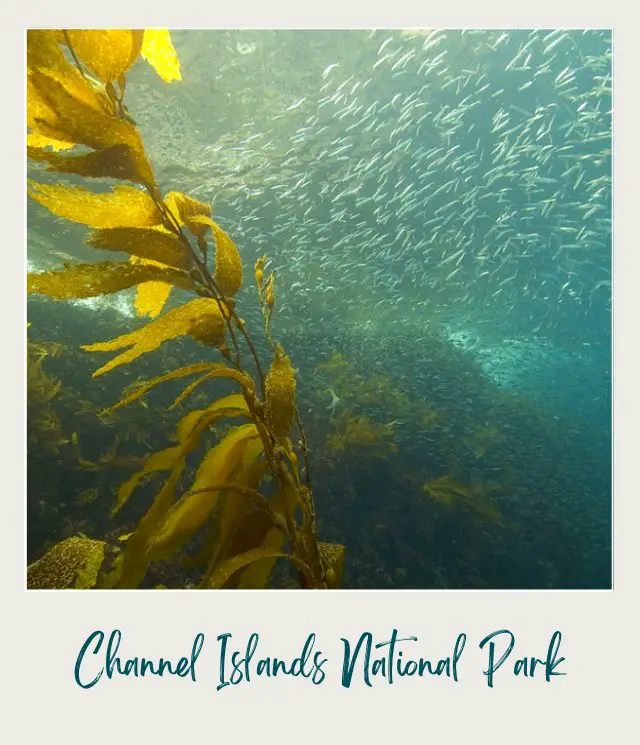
(256, 575)
(189, 431)
(225, 462)
(239, 507)
(59, 114)
(228, 568)
(117, 162)
(280, 392)
(79, 124)
(363, 434)
(189, 212)
(184, 320)
(228, 274)
(139, 389)
(145, 243)
(108, 53)
(100, 278)
(473, 498)
(122, 207)
(158, 50)
(44, 428)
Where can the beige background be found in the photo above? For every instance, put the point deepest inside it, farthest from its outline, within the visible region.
(43, 632)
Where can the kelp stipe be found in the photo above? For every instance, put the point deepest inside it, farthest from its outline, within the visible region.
(79, 124)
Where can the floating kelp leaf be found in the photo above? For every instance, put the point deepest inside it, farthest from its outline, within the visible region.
(147, 243)
(134, 561)
(108, 53)
(143, 387)
(39, 110)
(72, 563)
(151, 297)
(228, 458)
(35, 140)
(236, 504)
(164, 460)
(195, 215)
(221, 371)
(472, 497)
(176, 322)
(158, 50)
(228, 568)
(124, 206)
(280, 394)
(198, 224)
(233, 405)
(189, 431)
(117, 162)
(44, 53)
(228, 274)
(100, 278)
(256, 575)
(64, 117)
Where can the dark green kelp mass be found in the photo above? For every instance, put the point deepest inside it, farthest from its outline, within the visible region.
(436, 206)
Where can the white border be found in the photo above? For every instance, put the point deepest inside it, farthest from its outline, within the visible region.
(42, 632)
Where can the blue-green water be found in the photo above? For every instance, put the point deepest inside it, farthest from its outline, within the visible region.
(437, 207)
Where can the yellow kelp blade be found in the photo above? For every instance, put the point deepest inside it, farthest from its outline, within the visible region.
(64, 117)
(100, 278)
(189, 431)
(37, 141)
(164, 460)
(176, 322)
(118, 162)
(151, 297)
(38, 110)
(240, 445)
(108, 53)
(245, 523)
(221, 371)
(146, 243)
(44, 53)
(256, 575)
(232, 405)
(228, 568)
(235, 503)
(191, 213)
(228, 274)
(195, 420)
(131, 568)
(123, 207)
(158, 50)
(146, 386)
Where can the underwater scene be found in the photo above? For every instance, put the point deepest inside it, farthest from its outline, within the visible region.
(319, 309)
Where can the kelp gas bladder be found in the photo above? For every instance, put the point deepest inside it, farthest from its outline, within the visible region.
(78, 124)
